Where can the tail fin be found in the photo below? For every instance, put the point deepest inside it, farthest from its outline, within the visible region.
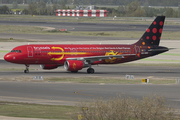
(152, 35)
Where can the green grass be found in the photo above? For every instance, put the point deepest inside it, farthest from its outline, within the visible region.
(119, 20)
(107, 80)
(15, 29)
(5, 51)
(153, 64)
(36, 111)
(128, 34)
(162, 82)
(12, 69)
(149, 59)
(93, 80)
(170, 54)
(18, 40)
(19, 29)
(96, 80)
(20, 6)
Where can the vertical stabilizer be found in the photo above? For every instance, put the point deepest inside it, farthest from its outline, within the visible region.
(152, 35)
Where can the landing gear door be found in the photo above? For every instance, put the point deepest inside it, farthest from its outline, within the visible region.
(30, 51)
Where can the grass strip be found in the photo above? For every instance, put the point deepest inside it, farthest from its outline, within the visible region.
(118, 20)
(149, 59)
(96, 80)
(12, 69)
(93, 80)
(107, 80)
(19, 29)
(26, 110)
(153, 64)
(4, 51)
(15, 29)
(19, 40)
(170, 54)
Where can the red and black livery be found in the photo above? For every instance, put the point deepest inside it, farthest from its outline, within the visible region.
(79, 56)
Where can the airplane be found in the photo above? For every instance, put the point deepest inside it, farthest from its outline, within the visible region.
(76, 57)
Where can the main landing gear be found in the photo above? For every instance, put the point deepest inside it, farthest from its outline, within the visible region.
(27, 69)
(90, 70)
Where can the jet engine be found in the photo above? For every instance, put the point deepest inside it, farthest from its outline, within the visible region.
(49, 66)
(73, 65)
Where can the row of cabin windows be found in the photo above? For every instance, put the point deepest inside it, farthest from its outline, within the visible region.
(81, 51)
(16, 51)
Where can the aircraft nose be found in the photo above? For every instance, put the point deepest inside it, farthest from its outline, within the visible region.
(8, 57)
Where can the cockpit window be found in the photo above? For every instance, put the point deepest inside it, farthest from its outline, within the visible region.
(17, 51)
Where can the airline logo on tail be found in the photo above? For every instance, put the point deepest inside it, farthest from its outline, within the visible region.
(152, 35)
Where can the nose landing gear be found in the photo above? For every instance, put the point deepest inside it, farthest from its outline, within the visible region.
(27, 69)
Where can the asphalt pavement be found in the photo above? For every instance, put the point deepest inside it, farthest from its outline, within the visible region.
(71, 94)
(89, 26)
(118, 71)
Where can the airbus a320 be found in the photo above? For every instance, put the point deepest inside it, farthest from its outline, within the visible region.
(79, 56)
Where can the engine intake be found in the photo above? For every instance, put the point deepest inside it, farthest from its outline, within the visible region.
(73, 65)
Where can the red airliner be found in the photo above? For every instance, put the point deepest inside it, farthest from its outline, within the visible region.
(76, 57)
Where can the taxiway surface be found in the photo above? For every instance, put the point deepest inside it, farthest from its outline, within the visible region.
(89, 26)
(15, 70)
(71, 94)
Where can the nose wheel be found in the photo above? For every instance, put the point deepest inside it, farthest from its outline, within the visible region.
(90, 70)
(27, 69)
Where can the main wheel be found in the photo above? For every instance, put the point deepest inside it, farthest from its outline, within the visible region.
(90, 70)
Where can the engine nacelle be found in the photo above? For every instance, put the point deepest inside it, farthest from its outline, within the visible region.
(49, 66)
(73, 65)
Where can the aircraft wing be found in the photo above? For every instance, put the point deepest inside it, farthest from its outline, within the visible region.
(98, 58)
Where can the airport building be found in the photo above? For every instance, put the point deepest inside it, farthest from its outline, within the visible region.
(79, 11)
(82, 13)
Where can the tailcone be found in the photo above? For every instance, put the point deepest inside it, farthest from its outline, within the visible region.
(159, 49)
